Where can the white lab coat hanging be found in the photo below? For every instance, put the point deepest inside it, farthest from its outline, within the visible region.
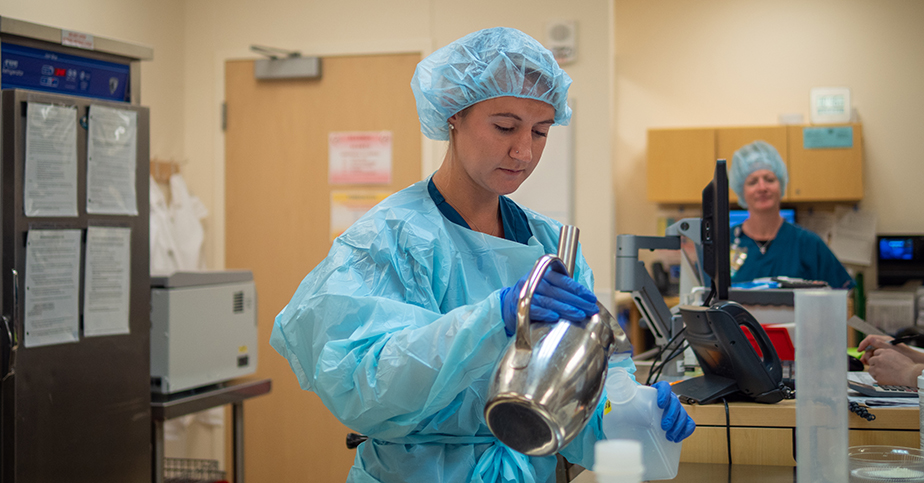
(163, 243)
(187, 212)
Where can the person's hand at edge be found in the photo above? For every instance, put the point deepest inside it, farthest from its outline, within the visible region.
(889, 367)
(871, 343)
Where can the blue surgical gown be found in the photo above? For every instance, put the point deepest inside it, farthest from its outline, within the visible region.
(398, 332)
(795, 252)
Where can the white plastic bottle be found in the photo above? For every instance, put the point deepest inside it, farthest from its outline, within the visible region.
(921, 404)
(618, 461)
(633, 413)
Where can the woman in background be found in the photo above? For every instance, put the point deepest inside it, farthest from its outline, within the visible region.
(766, 245)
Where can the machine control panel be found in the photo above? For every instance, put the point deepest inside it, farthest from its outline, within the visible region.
(48, 71)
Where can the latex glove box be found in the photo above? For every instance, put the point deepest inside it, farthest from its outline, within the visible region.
(203, 329)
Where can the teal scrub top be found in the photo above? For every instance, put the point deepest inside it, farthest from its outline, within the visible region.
(516, 226)
(795, 252)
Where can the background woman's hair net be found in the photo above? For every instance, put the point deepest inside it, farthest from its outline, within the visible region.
(750, 158)
(483, 65)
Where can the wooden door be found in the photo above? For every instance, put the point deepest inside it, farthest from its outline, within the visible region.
(278, 225)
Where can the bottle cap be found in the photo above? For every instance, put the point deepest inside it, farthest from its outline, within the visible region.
(614, 457)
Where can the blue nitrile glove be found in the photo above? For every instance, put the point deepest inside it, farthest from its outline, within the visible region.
(557, 297)
(678, 424)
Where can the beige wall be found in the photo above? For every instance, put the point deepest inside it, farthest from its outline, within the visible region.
(677, 63)
(219, 30)
(733, 62)
(192, 39)
(154, 23)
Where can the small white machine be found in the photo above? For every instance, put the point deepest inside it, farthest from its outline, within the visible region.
(203, 329)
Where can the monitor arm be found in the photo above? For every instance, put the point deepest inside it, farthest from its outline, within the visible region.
(631, 276)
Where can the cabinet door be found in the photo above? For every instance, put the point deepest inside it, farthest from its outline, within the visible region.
(730, 139)
(907, 439)
(680, 164)
(825, 173)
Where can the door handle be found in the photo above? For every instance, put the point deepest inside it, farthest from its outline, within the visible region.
(6, 350)
(9, 345)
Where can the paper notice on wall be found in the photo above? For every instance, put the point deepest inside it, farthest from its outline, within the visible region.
(107, 281)
(50, 184)
(348, 207)
(359, 157)
(820, 223)
(112, 150)
(853, 236)
(52, 286)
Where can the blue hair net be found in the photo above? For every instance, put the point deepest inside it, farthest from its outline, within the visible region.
(750, 158)
(490, 63)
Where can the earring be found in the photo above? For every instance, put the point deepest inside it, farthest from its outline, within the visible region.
(451, 127)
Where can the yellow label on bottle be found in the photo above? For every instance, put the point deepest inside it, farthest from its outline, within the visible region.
(606, 407)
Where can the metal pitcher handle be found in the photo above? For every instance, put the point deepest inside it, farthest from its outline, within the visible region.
(567, 247)
(521, 343)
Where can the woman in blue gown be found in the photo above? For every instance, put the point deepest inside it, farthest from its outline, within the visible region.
(399, 329)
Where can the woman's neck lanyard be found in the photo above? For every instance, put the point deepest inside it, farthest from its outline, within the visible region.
(737, 254)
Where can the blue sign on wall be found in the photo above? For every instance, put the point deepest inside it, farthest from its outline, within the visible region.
(827, 137)
(44, 70)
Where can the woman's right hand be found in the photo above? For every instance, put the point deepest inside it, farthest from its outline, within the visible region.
(557, 297)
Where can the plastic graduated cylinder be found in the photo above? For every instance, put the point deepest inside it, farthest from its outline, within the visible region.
(633, 413)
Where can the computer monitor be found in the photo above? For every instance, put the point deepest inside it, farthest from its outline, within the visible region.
(730, 364)
(896, 248)
(737, 217)
(715, 232)
(900, 259)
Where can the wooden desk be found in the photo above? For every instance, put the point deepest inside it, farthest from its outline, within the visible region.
(764, 434)
(713, 473)
(639, 337)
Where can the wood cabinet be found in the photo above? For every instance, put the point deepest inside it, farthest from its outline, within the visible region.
(680, 164)
(833, 174)
(681, 161)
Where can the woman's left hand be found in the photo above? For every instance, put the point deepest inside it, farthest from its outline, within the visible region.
(678, 424)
